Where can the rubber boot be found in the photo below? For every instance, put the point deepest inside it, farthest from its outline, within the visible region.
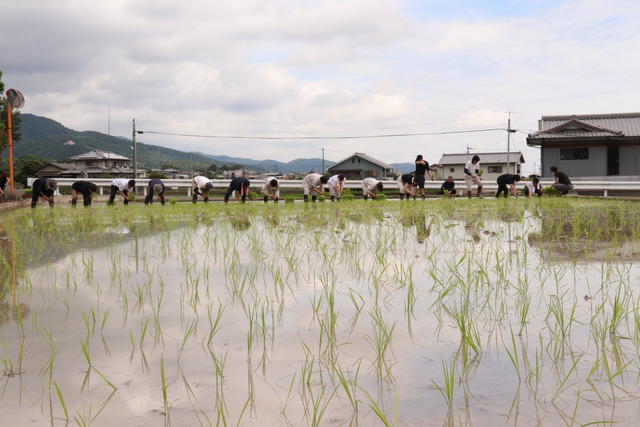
(206, 199)
(275, 200)
(333, 199)
(74, 203)
(266, 199)
(402, 197)
(479, 195)
(306, 198)
(314, 198)
(366, 198)
(243, 198)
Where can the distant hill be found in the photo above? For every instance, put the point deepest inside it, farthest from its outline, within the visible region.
(403, 167)
(297, 165)
(45, 138)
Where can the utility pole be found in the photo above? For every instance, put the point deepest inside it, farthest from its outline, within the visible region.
(322, 161)
(469, 148)
(509, 143)
(109, 122)
(135, 157)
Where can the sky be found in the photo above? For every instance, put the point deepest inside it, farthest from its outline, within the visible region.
(322, 68)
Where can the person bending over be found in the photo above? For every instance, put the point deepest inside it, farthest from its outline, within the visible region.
(271, 190)
(406, 185)
(563, 183)
(121, 186)
(448, 187)
(85, 188)
(336, 187)
(506, 182)
(313, 183)
(370, 187)
(45, 188)
(200, 186)
(156, 186)
(241, 187)
(533, 187)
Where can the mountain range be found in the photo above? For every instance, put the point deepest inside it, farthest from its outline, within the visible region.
(45, 138)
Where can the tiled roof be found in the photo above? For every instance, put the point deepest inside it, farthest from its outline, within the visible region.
(588, 126)
(500, 157)
(97, 154)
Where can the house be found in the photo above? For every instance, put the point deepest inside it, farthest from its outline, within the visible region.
(92, 164)
(359, 166)
(594, 145)
(492, 164)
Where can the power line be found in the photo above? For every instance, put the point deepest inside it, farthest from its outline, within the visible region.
(389, 135)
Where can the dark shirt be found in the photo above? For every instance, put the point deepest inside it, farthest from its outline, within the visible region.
(3, 181)
(155, 181)
(407, 178)
(40, 187)
(237, 183)
(421, 169)
(84, 187)
(448, 186)
(562, 178)
(506, 179)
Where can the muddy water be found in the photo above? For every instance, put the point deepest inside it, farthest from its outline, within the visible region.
(297, 292)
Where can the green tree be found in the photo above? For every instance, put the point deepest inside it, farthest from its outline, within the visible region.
(154, 174)
(168, 165)
(15, 120)
(26, 167)
(213, 168)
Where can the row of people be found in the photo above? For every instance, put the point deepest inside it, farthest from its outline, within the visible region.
(312, 184)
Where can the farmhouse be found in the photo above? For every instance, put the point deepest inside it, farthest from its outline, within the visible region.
(359, 166)
(492, 164)
(596, 145)
(94, 163)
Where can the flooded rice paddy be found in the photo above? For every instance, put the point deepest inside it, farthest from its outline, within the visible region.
(446, 312)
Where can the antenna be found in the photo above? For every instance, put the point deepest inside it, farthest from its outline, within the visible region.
(469, 148)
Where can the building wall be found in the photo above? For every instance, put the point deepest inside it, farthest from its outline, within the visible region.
(362, 166)
(595, 165)
(458, 172)
(630, 160)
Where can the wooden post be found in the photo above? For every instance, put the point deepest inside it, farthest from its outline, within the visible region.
(10, 135)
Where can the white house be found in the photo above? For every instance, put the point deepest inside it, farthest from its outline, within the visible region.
(492, 165)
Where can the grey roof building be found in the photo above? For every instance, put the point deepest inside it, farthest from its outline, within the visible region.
(492, 164)
(593, 145)
(360, 166)
(90, 164)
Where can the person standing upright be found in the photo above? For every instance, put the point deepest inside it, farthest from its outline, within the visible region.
(422, 168)
(471, 176)
(313, 183)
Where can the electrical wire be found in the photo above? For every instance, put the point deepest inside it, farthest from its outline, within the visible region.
(389, 135)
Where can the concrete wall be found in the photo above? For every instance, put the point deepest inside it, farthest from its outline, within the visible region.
(595, 165)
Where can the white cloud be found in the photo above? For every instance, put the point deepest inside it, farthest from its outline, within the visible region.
(321, 67)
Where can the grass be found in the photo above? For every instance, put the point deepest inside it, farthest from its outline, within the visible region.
(334, 312)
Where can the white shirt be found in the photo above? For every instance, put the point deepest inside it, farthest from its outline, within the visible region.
(369, 185)
(532, 189)
(267, 188)
(473, 169)
(121, 183)
(334, 181)
(201, 181)
(312, 180)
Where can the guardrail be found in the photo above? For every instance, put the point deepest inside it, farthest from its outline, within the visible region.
(177, 184)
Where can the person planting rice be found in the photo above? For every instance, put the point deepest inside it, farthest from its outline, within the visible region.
(422, 168)
(406, 183)
(3, 184)
(533, 187)
(471, 176)
(201, 185)
(336, 187)
(43, 187)
(123, 186)
(562, 183)
(313, 183)
(85, 188)
(370, 186)
(156, 186)
(240, 186)
(271, 190)
(505, 181)
(448, 187)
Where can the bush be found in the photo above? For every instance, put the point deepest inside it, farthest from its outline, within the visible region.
(172, 201)
(347, 196)
(380, 197)
(252, 196)
(289, 199)
(551, 191)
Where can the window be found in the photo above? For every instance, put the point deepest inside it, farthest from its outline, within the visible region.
(574, 154)
(452, 169)
(353, 160)
(494, 169)
(371, 173)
